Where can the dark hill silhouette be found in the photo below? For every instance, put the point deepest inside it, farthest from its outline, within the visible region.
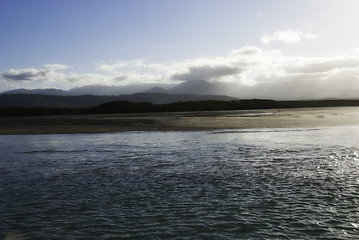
(143, 107)
(194, 87)
(37, 100)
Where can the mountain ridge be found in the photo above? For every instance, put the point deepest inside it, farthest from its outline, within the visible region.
(194, 87)
(39, 100)
(281, 90)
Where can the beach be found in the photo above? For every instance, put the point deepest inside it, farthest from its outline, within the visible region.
(181, 121)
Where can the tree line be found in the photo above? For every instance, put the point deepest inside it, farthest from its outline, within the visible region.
(143, 107)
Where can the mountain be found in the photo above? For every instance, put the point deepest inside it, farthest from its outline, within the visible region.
(46, 91)
(156, 90)
(203, 87)
(199, 87)
(115, 90)
(281, 90)
(164, 98)
(38, 100)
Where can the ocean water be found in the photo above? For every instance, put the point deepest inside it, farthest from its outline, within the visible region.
(230, 184)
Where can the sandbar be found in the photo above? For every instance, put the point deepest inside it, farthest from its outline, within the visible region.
(182, 121)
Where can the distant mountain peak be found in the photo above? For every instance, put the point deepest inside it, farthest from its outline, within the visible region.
(156, 90)
(193, 87)
(44, 91)
(117, 90)
(197, 87)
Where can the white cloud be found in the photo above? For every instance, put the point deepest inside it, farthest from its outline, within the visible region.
(249, 65)
(287, 36)
(246, 50)
(119, 65)
(54, 67)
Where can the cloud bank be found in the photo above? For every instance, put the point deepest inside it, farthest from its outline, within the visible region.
(207, 72)
(287, 36)
(269, 70)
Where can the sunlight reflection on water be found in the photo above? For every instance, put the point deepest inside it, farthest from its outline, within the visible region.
(228, 184)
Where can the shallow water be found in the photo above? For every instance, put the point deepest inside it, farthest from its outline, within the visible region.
(245, 184)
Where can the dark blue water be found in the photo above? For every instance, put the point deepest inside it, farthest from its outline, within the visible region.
(253, 184)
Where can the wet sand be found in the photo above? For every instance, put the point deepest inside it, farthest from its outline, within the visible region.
(181, 121)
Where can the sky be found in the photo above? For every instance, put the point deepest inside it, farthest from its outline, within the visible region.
(70, 43)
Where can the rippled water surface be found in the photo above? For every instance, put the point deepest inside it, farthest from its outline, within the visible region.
(252, 184)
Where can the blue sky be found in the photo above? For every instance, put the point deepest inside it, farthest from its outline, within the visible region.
(64, 44)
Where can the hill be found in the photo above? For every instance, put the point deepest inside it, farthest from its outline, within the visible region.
(39, 100)
(143, 107)
(211, 105)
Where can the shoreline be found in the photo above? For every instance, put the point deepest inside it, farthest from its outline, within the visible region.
(181, 121)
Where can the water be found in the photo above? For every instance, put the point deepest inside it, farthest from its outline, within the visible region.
(252, 184)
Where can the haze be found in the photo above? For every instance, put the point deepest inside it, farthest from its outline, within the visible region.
(260, 48)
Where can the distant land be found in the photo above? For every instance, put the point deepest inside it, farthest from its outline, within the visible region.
(40, 100)
(287, 90)
(197, 95)
(116, 107)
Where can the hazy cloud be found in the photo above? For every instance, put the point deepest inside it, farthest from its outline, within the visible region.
(54, 67)
(246, 51)
(207, 73)
(120, 65)
(324, 65)
(287, 36)
(110, 67)
(121, 78)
